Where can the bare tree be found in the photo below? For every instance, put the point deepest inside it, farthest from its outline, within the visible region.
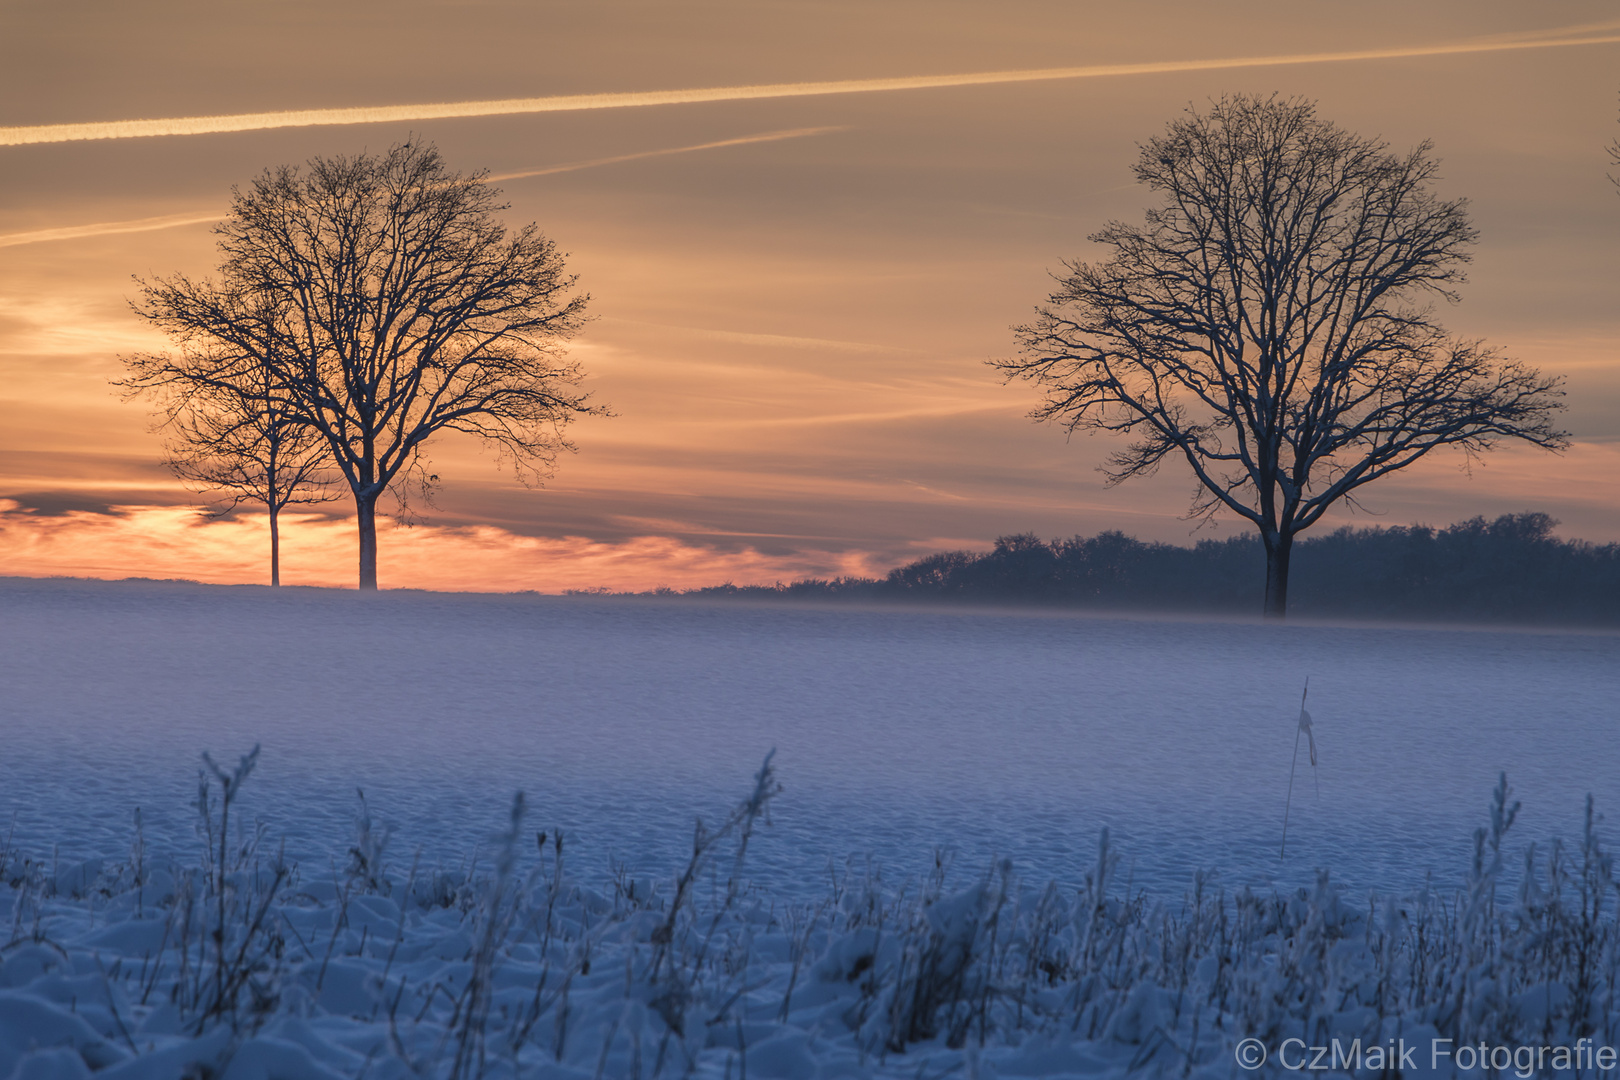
(232, 426)
(1267, 325)
(402, 309)
(1614, 156)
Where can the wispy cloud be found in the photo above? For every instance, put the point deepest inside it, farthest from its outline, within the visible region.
(788, 341)
(202, 125)
(170, 221)
(935, 412)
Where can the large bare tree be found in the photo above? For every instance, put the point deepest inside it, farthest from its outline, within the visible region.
(403, 308)
(1270, 326)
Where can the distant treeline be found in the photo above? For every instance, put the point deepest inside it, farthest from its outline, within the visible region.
(1508, 570)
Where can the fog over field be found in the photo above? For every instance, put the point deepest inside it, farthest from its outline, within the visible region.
(897, 731)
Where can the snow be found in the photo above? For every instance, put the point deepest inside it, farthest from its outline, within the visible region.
(893, 915)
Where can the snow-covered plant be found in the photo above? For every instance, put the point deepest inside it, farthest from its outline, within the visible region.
(496, 915)
(240, 947)
(366, 871)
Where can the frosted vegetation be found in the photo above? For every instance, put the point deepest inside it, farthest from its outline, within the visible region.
(232, 960)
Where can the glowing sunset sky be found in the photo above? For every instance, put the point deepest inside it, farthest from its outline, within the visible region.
(804, 227)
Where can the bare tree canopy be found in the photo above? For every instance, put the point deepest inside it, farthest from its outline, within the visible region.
(1269, 324)
(401, 307)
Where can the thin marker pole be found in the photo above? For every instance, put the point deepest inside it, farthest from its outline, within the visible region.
(1292, 765)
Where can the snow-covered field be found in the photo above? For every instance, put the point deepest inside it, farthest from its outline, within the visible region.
(893, 913)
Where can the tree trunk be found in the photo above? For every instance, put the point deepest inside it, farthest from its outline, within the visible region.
(366, 505)
(1278, 550)
(275, 547)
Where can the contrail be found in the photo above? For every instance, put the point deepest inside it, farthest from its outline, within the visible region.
(108, 228)
(769, 136)
(203, 125)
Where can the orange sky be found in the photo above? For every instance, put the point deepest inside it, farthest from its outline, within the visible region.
(794, 294)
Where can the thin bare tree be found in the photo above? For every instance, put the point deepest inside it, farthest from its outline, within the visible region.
(403, 308)
(1270, 324)
(1614, 156)
(231, 426)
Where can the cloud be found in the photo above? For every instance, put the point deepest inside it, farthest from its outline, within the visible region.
(179, 542)
(203, 125)
(938, 412)
(787, 341)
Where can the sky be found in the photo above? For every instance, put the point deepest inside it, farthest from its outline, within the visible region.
(804, 227)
